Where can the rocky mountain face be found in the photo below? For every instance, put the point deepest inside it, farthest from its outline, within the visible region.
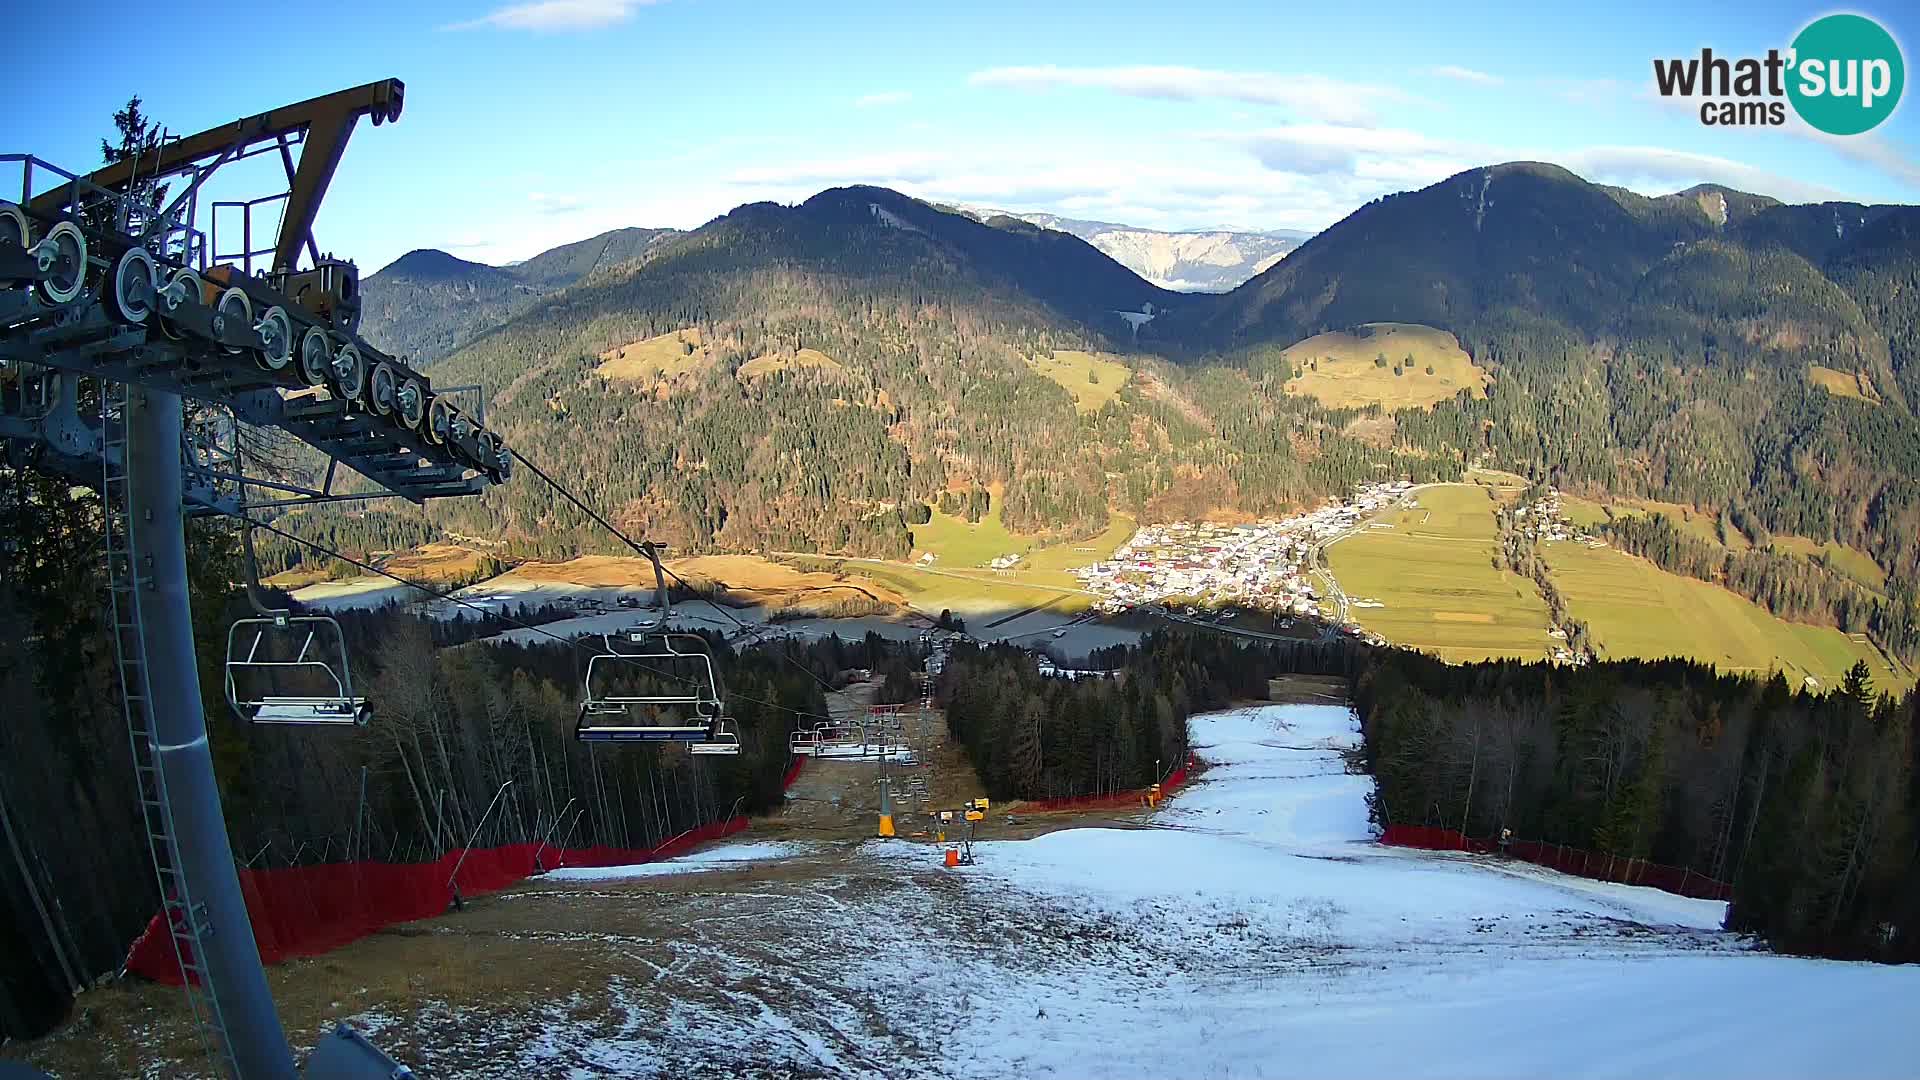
(1204, 260)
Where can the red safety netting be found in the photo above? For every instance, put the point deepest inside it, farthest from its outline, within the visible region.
(1576, 861)
(309, 910)
(1115, 800)
(793, 772)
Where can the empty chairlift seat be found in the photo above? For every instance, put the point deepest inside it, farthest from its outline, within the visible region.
(292, 669)
(650, 686)
(722, 738)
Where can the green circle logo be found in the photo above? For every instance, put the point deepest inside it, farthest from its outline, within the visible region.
(1847, 74)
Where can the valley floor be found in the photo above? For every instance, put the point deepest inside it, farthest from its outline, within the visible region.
(1250, 928)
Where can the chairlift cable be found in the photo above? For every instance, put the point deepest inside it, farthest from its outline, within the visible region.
(648, 551)
(438, 595)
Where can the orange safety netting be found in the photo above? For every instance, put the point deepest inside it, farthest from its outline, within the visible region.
(310, 910)
(1113, 800)
(1577, 861)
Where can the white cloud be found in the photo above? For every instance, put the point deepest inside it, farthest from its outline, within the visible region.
(1319, 149)
(865, 169)
(549, 203)
(550, 15)
(889, 97)
(1657, 170)
(1386, 159)
(1869, 149)
(1466, 75)
(1331, 100)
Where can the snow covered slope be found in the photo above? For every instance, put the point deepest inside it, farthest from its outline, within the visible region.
(1299, 948)
(1250, 928)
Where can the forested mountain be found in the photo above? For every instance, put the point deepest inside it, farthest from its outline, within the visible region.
(1680, 347)
(805, 377)
(427, 303)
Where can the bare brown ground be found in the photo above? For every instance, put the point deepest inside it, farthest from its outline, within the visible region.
(587, 958)
(746, 578)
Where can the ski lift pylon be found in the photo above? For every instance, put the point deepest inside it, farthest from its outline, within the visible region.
(323, 694)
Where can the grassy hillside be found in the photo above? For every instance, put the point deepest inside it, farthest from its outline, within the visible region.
(1635, 609)
(956, 543)
(1849, 561)
(1703, 526)
(1091, 379)
(1433, 572)
(1384, 364)
(762, 366)
(1844, 384)
(663, 356)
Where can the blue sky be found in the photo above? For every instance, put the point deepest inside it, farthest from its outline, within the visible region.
(529, 125)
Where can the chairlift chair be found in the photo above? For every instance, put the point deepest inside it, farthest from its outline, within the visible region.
(607, 714)
(802, 743)
(277, 651)
(722, 738)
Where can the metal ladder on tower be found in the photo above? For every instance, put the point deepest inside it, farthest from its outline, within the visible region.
(185, 919)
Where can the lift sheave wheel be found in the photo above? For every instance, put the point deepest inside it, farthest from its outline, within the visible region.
(63, 259)
(276, 335)
(439, 421)
(131, 289)
(381, 388)
(350, 372)
(316, 357)
(184, 289)
(237, 309)
(14, 228)
(410, 401)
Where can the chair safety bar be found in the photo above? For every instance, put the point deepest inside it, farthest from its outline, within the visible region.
(339, 708)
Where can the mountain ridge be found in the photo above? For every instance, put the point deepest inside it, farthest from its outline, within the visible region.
(1661, 347)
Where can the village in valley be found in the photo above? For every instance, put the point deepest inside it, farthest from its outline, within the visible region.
(1267, 565)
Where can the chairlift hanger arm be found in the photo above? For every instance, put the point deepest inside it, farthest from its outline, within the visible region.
(324, 122)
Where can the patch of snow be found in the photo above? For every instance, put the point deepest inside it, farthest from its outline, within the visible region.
(887, 217)
(727, 857)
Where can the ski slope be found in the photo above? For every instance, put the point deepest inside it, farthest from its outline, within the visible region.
(1288, 944)
(1251, 929)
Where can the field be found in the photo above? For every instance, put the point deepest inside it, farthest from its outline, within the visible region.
(657, 358)
(1842, 384)
(748, 579)
(1506, 482)
(1341, 369)
(955, 542)
(1635, 609)
(761, 366)
(1696, 523)
(1852, 562)
(1042, 579)
(435, 563)
(1070, 369)
(1433, 570)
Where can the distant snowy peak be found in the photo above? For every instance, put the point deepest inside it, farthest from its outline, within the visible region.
(1202, 261)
